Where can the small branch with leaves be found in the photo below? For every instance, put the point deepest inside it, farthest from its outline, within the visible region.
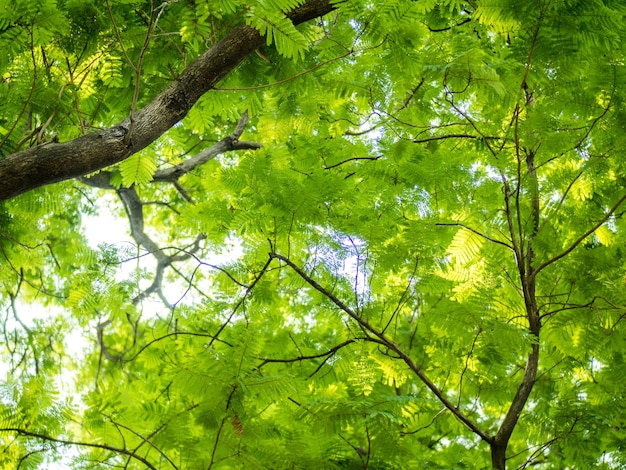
(377, 336)
(69, 442)
(133, 205)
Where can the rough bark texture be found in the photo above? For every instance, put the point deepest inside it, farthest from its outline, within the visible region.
(54, 162)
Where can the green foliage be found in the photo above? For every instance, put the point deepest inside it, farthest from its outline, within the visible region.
(432, 175)
(272, 23)
(137, 169)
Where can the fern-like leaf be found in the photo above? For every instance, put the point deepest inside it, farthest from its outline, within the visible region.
(280, 31)
(465, 246)
(137, 169)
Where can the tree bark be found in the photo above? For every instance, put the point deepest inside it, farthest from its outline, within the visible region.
(55, 162)
(501, 439)
(527, 272)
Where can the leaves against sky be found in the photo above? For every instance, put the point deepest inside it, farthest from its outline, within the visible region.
(427, 180)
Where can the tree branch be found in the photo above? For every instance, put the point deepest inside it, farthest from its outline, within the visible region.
(230, 142)
(326, 355)
(55, 162)
(480, 234)
(330, 352)
(241, 301)
(382, 339)
(146, 439)
(24, 432)
(580, 239)
(353, 159)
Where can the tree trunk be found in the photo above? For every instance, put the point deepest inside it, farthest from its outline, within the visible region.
(498, 456)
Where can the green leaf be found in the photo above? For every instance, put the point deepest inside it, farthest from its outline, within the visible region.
(137, 169)
(280, 31)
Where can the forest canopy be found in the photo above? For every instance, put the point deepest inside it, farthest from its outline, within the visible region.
(354, 234)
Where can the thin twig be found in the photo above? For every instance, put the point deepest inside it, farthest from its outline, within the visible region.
(493, 240)
(579, 240)
(288, 79)
(44, 437)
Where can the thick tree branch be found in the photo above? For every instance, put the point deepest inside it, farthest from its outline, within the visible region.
(230, 142)
(55, 162)
(501, 439)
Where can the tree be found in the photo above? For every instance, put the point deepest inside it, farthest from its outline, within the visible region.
(365, 234)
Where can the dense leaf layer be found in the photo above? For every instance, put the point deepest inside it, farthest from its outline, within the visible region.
(391, 236)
